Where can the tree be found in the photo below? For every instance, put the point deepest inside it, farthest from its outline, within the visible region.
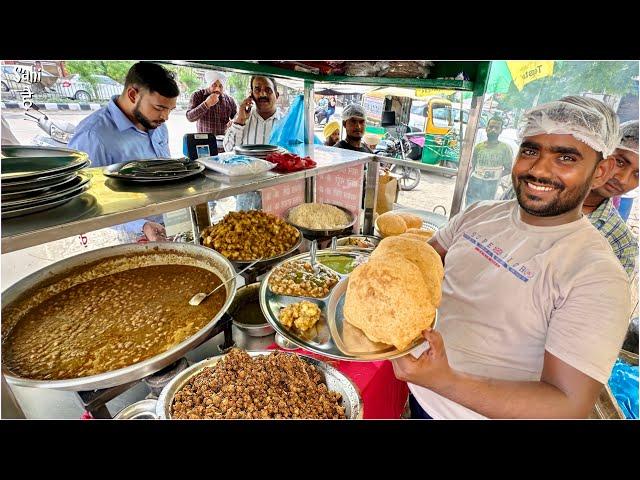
(574, 78)
(186, 77)
(238, 86)
(115, 69)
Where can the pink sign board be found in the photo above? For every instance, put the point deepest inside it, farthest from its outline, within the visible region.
(343, 188)
(280, 198)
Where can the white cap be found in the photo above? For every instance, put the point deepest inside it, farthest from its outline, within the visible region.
(353, 110)
(212, 75)
(588, 120)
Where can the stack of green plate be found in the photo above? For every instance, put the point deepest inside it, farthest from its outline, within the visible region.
(38, 178)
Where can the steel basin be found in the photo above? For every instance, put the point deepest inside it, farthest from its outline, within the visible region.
(21, 294)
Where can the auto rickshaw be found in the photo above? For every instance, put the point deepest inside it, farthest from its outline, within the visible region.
(428, 120)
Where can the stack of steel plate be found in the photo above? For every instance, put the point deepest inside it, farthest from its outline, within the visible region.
(34, 179)
(257, 151)
(154, 170)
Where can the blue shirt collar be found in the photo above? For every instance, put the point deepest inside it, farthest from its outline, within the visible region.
(120, 119)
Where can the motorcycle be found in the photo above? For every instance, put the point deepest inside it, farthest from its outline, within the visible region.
(59, 133)
(393, 147)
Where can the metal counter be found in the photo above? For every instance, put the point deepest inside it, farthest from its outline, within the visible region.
(111, 202)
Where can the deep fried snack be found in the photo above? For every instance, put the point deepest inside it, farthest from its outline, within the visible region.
(278, 385)
(249, 235)
(302, 315)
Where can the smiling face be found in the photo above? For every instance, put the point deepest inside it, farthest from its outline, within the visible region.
(553, 174)
(625, 174)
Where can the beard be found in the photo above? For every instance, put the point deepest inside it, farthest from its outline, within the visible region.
(144, 121)
(563, 201)
(354, 137)
(492, 137)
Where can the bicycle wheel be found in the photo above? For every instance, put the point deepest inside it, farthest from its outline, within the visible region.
(410, 177)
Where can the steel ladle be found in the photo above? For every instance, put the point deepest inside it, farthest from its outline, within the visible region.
(198, 298)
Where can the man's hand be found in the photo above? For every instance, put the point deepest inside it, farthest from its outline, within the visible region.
(212, 99)
(429, 369)
(243, 114)
(154, 232)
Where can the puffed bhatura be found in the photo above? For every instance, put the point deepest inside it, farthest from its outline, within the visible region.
(414, 236)
(390, 224)
(393, 297)
(427, 234)
(423, 256)
(386, 300)
(412, 221)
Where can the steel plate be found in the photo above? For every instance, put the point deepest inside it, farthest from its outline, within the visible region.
(25, 162)
(332, 336)
(49, 195)
(193, 168)
(46, 205)
(31, 191)
(312, 233)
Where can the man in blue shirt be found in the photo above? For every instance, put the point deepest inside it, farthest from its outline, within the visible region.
(131, 126)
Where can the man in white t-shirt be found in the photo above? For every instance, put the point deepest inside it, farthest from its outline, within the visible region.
(535, 304)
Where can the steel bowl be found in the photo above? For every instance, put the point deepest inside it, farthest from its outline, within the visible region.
(335, 380)
(265, 261)
(342, 242)
(323, 233)
(142, 410)
(249, 293)
(81, 268)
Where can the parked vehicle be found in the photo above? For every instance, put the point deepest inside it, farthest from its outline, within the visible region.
(58, 134)
(432, 139)
(390, 146)
(78, 89)
(12, 85)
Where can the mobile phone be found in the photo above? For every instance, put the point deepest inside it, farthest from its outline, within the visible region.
(248, 109)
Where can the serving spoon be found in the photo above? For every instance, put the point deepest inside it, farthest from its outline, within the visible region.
(198, 298)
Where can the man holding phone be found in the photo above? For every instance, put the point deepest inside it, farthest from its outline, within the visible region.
(252, 126)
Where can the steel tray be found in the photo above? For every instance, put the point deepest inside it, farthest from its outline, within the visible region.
(332, 336)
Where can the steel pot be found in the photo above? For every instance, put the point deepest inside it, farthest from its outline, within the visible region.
(81, 268)
(249, 293)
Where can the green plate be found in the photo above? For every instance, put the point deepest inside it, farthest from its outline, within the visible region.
(48, 195)
(27, 162)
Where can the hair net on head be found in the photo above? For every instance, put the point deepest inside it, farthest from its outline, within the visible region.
(629, 136)
(212, 75)
(588, 120)
(353, 110)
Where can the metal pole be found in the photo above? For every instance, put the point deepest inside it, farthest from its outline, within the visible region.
(308, 111)
(309, 183)
(465, 154)
(200, 219)
(370, 192)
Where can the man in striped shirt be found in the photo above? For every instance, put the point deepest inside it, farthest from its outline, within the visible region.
(253, 125)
